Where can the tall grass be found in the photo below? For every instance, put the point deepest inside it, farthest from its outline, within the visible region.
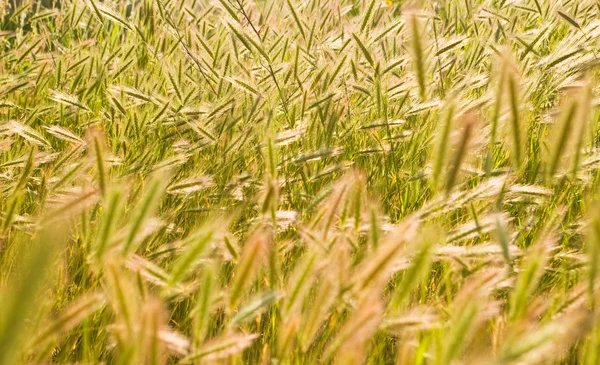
(299, 182)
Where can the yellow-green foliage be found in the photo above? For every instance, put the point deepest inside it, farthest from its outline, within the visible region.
(299, 182)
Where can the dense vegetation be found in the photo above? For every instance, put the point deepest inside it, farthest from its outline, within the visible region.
(299, 182)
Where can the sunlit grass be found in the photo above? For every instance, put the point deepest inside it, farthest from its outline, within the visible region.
(299, 182)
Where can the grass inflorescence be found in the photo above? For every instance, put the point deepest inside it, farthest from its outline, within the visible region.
(299, 182)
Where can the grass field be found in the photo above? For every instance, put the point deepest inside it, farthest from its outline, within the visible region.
(299, 182)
